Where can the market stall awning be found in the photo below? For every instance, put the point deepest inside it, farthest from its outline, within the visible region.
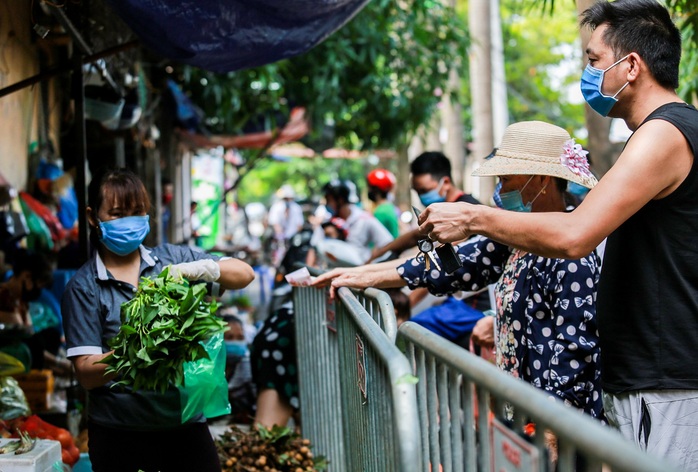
(295, 129)
(228, 35)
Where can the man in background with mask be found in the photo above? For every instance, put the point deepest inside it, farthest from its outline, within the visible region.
(432, 181)
(647, 206)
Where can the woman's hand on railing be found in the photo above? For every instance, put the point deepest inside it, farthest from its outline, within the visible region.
(343, 277)
(325, 279)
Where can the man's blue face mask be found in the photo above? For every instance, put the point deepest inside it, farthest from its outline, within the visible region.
(433, 196)
(591, 83)
(122, 236)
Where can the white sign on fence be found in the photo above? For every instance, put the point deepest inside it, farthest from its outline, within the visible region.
(511, 452)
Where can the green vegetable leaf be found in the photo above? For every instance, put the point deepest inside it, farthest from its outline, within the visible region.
(162, 328)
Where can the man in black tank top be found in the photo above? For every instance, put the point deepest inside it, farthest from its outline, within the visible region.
(647, 206)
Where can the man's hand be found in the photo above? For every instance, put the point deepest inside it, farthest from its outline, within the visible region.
(483, 332)
(446, 222)
(206, 270)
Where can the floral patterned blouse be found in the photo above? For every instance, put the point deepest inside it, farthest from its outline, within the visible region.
(545, 331)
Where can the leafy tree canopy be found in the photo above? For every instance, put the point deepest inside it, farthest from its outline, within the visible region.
(369, 85)
(542, 62)
(306, 176)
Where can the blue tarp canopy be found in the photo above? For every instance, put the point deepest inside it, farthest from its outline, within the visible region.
(228, 35)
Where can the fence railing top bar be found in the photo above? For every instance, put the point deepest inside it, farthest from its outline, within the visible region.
(384, 347)
(589, 435)
(387, 312)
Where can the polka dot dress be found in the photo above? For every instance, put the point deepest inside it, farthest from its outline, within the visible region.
(546, 331)
(274, 356)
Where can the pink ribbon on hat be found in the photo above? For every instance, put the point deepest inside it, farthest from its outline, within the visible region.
(574, 157)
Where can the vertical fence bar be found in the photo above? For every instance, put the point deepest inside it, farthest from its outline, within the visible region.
(484, 452)
(470, 442)
(318, 378)
(444, 419)
(423, 408)
(432, 411)
(454, 405)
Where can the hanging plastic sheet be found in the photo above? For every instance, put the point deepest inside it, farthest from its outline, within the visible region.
(228, 35)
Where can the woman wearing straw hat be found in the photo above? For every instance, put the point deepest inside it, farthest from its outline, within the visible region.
(546, 330)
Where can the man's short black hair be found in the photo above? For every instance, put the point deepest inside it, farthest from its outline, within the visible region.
(643, 27)
(432, 162)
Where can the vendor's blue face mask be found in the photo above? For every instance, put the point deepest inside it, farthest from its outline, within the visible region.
(591, 83)
(433, 196)
(235, 350)
(122, 236)
(513, 201)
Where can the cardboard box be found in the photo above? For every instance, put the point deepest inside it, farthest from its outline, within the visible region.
(37, 386)
(36, 380)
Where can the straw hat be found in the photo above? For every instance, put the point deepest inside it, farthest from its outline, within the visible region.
(538, 148)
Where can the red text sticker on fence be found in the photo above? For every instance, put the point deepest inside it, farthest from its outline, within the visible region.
(330, 311)
(511, 453)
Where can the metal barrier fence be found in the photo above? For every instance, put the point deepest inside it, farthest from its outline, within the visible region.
(454, 385)
(357, 392)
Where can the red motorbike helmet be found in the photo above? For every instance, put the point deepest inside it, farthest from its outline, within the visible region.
(382, 179)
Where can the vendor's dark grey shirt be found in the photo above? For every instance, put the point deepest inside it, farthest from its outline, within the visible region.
(91, 309)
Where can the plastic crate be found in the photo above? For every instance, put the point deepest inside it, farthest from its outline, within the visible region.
(45, 457)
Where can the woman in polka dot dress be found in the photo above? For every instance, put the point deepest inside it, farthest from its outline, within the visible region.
(545, 329)
(274, 368)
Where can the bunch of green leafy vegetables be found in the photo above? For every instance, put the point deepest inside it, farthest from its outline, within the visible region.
(161, 329)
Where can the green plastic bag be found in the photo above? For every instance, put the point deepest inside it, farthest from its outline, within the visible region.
(11, 362)
(13, 403)
(205, 389)
(39, 237)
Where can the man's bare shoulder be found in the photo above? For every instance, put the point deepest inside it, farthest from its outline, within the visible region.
(660, 152)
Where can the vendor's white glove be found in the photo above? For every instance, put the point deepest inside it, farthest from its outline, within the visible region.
(207, 270)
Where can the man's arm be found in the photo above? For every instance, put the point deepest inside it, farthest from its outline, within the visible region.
(655, 161)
